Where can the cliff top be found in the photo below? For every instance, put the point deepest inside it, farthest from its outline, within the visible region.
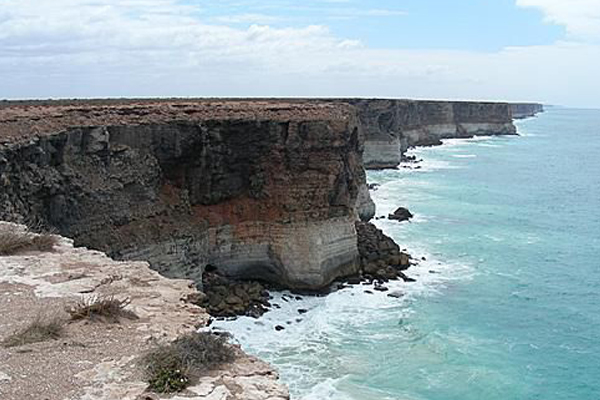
(97, 360)
(22, 120)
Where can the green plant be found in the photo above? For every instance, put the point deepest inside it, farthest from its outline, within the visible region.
(101, 308)
(39, 330)
(168, 375)
(170, 368)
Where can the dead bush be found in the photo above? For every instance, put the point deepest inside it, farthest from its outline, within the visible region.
(39, 330)
(101, 308)
(13, 241)
(170, 368)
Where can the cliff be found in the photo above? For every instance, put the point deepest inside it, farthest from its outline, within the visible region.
(392, 126)
(526, 110)
(99, 360)
(262, 190)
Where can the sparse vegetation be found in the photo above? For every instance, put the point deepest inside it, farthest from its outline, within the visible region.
(170, 368)
(40, 330)
(101, 308)
(14, 241)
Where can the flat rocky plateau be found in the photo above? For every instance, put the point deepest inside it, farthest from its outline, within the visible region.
(26, 119)
(97, 360)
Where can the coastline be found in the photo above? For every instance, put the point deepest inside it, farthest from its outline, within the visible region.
(265, 372)
(329, 316)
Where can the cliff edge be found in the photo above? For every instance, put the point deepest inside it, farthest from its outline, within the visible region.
(267, 190)
(392, 126)
(96, 360)
(526, 110)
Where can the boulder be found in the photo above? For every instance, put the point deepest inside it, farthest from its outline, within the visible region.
(401, 214)
(230, 298)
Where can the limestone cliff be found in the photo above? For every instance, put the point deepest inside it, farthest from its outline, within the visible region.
(392, 126)
(526, 110)
(262, 190)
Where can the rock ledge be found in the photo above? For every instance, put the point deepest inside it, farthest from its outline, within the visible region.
(97, 361)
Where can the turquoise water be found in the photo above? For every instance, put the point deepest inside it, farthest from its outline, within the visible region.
(507, 305)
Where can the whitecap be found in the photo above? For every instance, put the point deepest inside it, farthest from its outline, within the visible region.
(464, 156)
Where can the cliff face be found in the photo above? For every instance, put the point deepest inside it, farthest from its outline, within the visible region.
(526, 110)
(392, 126)
(267, 191)
(261, 189)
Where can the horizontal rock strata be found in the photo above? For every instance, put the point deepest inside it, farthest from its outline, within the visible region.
(263, 190)
(392, 126)
(526, 110)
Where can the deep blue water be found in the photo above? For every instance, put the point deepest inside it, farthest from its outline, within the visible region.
(507, 305)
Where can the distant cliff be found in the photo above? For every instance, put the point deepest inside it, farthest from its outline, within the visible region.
(262, 190)
(392, 126)
(526, 110)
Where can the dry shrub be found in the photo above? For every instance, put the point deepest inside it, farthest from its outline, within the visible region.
(16, 241)
(170, 368)
(39, 330)
(101, 308)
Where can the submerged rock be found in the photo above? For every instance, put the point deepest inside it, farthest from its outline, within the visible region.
(397, 294)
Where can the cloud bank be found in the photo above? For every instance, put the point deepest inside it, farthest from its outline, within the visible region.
(102, 48)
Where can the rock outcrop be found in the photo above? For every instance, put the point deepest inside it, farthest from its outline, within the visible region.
(401, 214)
(101, 361)
(265, 190)
(526, 110)
(380, 257)
(392, 126)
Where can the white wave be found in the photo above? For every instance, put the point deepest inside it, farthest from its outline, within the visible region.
(310, 353)
(326, 390)
(464, 156)
(432, 164)
(494, 238)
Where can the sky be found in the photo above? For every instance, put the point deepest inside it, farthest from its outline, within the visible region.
(508, 50)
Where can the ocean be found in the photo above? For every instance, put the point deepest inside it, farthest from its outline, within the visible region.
(507, 302)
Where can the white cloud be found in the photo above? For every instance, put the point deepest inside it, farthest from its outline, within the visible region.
(94, 48)
(248, 18)
(581, 18)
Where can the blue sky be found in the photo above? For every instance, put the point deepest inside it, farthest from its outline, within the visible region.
(429, 24)
(514, 50)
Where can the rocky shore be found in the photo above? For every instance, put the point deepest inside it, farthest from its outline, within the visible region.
(381, 260)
